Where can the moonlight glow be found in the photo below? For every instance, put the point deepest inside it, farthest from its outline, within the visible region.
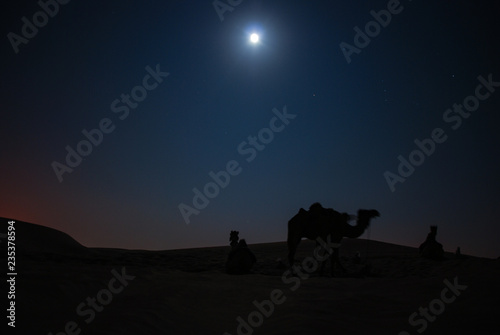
(254, 38)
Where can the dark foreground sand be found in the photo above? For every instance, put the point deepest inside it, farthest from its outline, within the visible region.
(187, 291)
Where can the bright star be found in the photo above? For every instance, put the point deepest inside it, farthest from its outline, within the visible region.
(254, 38)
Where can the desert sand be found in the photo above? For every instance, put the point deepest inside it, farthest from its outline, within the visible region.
(188, 292)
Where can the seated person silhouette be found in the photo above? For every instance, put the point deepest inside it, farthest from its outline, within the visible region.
(431, 248)
(240, 259)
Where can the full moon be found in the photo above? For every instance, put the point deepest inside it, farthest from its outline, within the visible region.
(254, 38)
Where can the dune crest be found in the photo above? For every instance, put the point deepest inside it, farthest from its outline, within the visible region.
(32, 238)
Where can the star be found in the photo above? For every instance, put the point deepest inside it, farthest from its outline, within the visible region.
(254, 38)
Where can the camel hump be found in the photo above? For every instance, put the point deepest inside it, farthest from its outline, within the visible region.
(318, 210)
(316, 207)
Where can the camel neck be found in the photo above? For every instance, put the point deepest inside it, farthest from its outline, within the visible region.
(357, 230)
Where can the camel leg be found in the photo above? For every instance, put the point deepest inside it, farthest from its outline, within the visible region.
(292, 248)
(322, 268)
(336, 259)
(333, 259)
(323, 263)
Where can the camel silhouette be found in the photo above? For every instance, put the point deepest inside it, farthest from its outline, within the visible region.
(327, 224)
(240, 259)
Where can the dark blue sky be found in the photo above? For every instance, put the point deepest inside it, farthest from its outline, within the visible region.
(351, 120)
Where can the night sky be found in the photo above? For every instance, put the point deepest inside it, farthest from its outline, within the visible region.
(172, 92)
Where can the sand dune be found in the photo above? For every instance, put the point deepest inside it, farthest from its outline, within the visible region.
(35, 239)
(187, 291)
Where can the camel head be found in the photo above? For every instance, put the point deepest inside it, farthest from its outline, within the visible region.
(365, 215)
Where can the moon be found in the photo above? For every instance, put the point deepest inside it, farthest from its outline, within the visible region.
(254, 38)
